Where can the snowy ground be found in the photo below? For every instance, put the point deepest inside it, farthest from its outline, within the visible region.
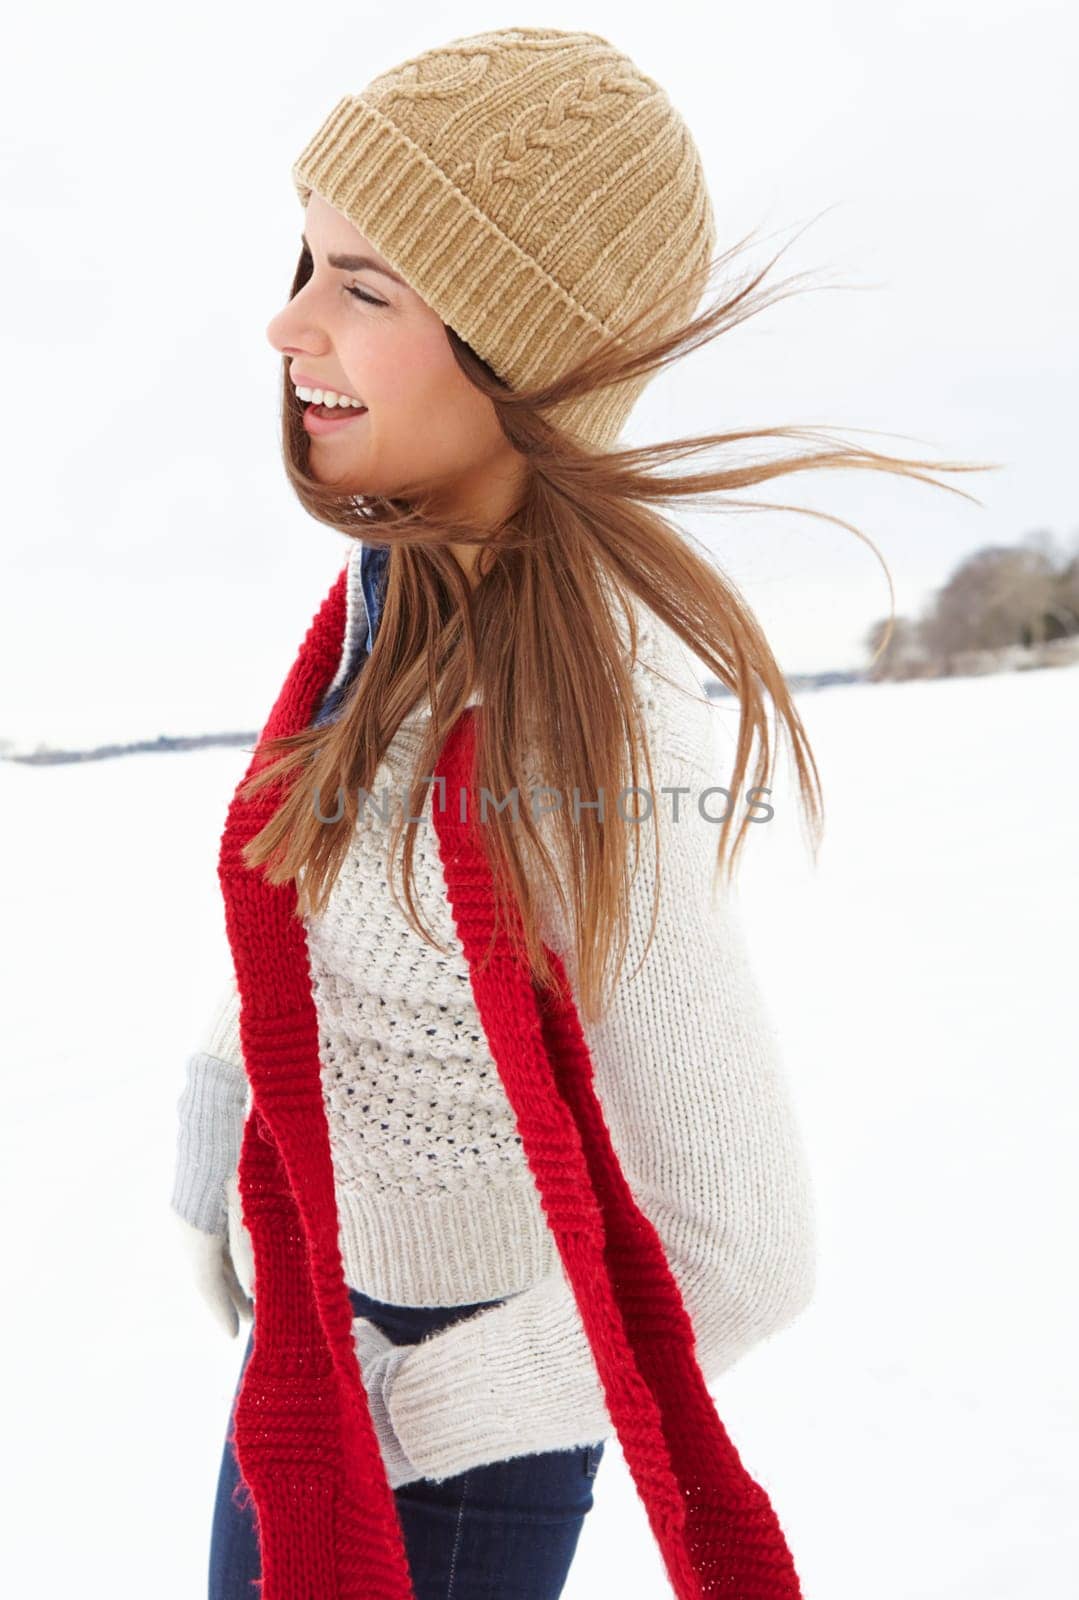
(915, 1429)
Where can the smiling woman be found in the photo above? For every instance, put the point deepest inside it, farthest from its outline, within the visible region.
(521, 1172)
(354, 327)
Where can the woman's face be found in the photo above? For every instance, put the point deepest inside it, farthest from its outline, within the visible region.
(361, 331)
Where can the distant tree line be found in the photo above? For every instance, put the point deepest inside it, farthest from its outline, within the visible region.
(1003, 607)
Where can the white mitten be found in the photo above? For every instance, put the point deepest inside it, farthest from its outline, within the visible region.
(216, 1276)
(379, 1359)
(239, 1240)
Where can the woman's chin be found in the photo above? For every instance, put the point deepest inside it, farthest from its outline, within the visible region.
(332, 475)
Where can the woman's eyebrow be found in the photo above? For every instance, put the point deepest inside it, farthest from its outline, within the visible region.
(357, 264)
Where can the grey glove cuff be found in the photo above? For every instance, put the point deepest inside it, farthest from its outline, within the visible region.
(399, 1469)
(211, 1118)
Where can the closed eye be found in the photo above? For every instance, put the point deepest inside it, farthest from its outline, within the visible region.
(362, 295)
(307, 266)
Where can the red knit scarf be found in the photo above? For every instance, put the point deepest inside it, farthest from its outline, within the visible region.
(305, 1444)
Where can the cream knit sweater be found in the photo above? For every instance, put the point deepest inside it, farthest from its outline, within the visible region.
(437, 1205)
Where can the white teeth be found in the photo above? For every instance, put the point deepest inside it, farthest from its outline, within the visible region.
(327, 397)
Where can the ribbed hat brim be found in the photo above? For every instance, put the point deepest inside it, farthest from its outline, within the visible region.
(457, 258)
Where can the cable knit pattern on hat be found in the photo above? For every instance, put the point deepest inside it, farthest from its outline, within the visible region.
(534, 187)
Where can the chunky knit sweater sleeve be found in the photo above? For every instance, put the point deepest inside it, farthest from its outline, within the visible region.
(690, 1077)
(210, 1114)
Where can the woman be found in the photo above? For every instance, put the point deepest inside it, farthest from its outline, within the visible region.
(564, 1189)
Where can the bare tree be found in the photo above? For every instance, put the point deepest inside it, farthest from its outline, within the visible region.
(998, 597)
(904, 655)
(1063, 619)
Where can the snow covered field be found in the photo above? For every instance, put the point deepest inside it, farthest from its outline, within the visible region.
(915, 1428)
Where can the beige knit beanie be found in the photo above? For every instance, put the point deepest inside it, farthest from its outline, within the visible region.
(535, 188)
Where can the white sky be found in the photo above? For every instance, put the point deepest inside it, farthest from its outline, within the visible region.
(160, 575)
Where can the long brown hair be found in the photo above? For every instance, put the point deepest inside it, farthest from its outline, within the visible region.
(538, 635)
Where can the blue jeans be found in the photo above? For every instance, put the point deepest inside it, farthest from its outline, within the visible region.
(504, 1531)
